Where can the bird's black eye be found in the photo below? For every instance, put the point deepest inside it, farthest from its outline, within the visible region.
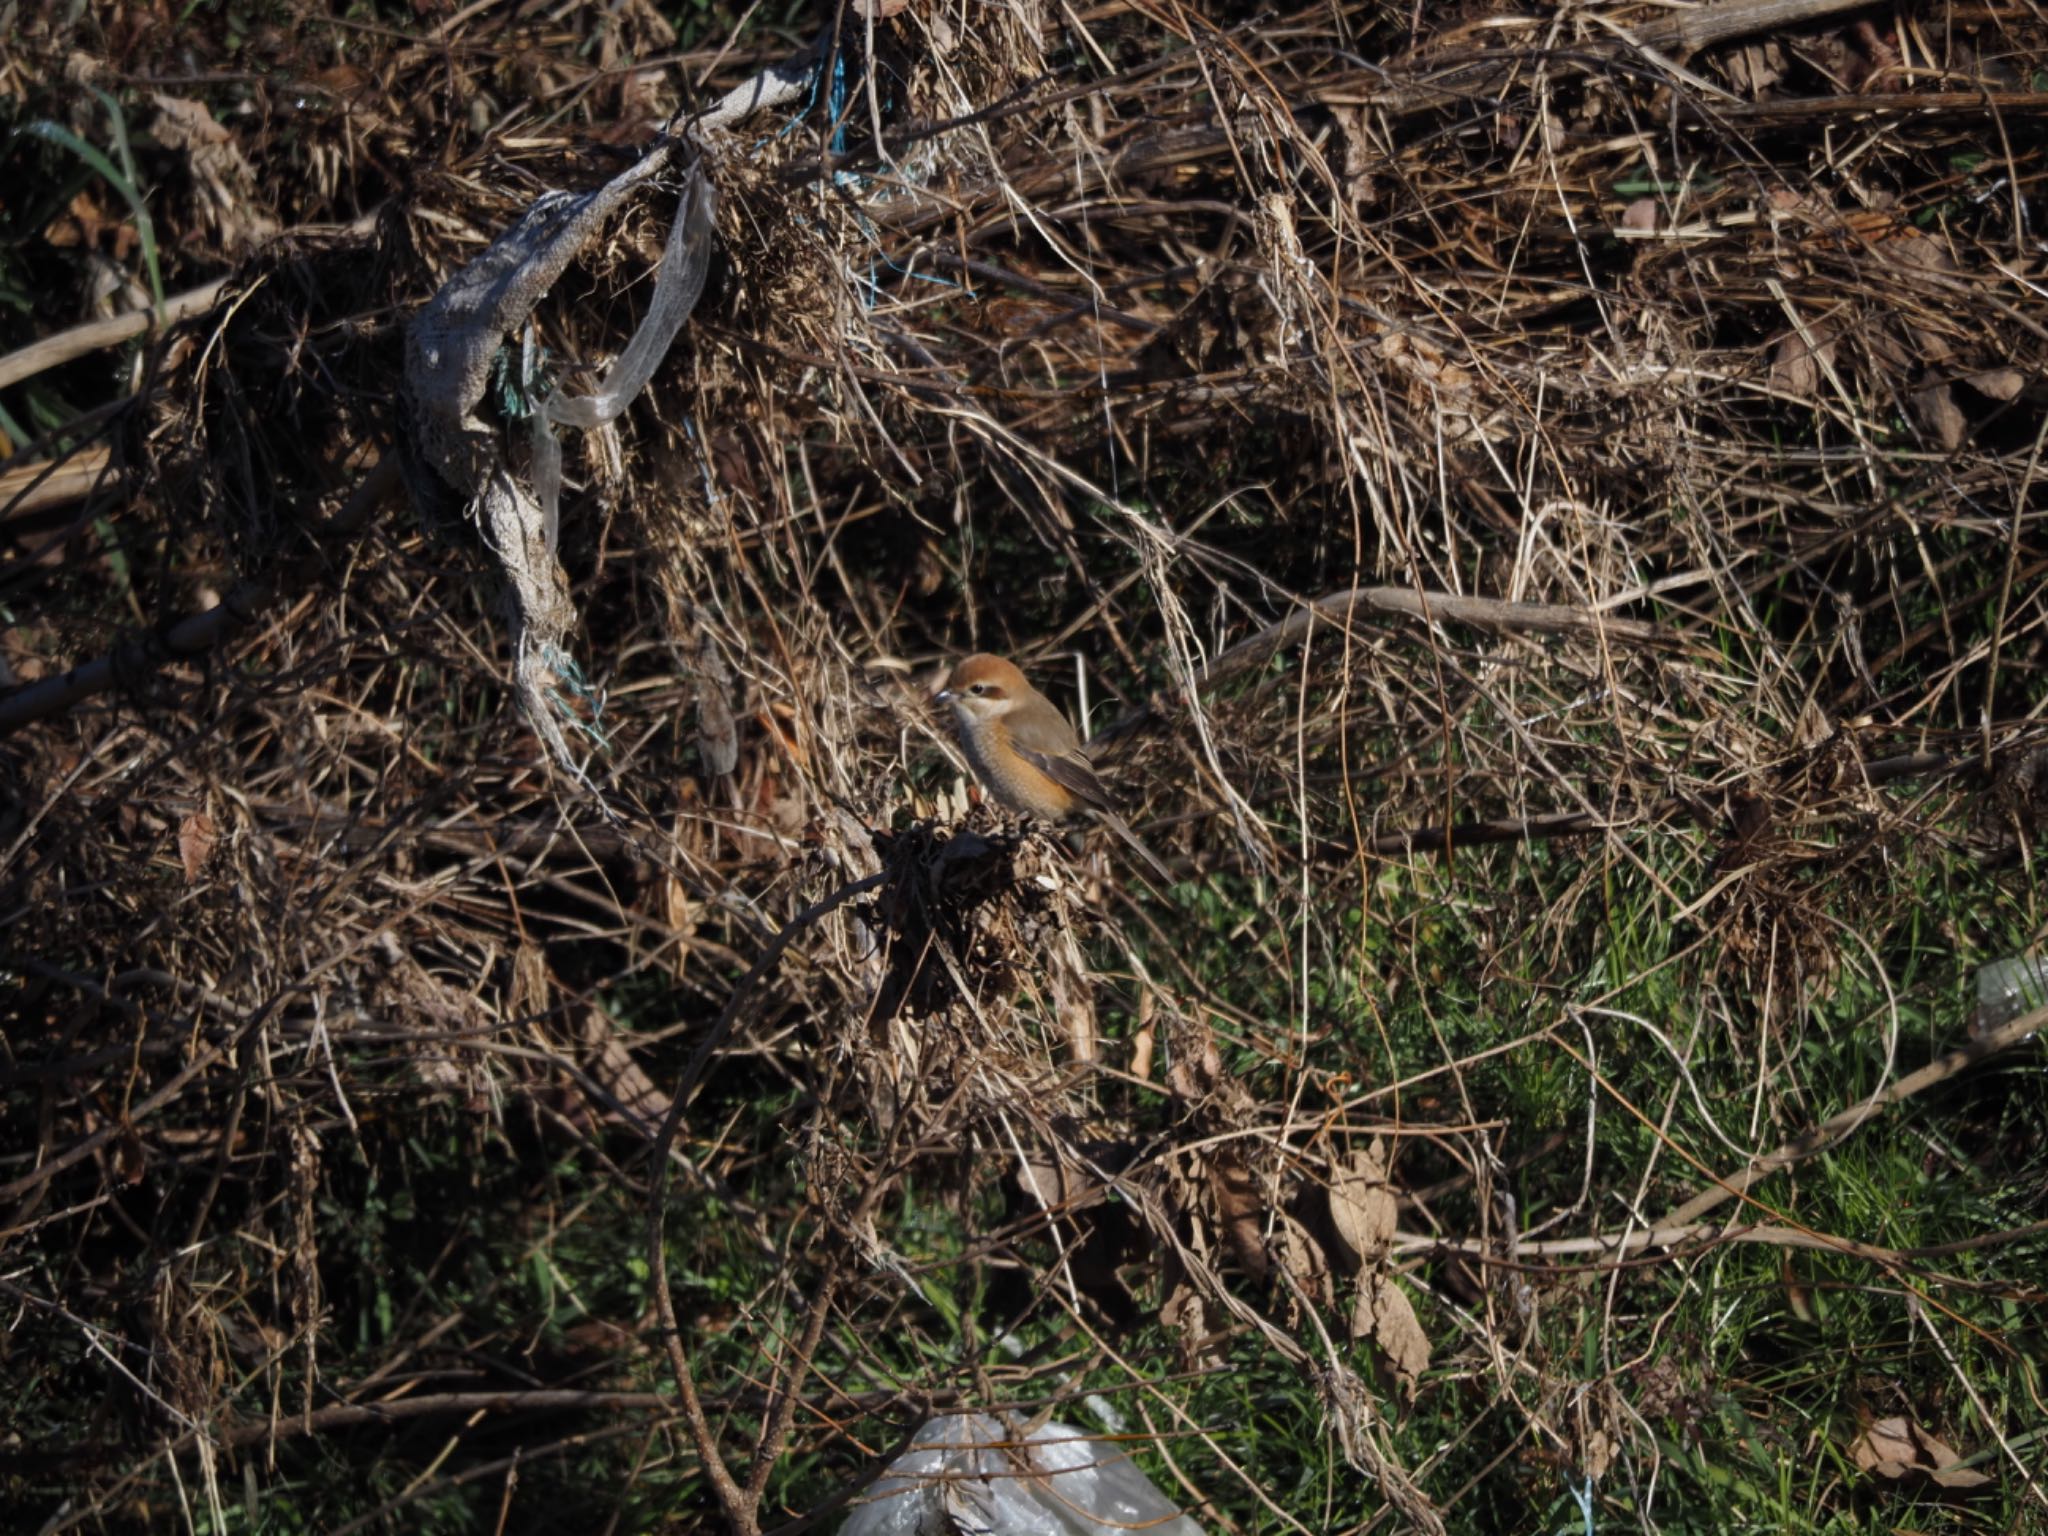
(978, 688)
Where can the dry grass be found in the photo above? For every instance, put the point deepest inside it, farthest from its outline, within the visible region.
(1546, 511)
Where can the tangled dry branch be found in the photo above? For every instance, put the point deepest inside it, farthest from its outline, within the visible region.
(1436, 439)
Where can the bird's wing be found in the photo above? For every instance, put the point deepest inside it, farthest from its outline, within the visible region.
(1055, 753)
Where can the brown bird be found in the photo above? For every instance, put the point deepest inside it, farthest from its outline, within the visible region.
(1024, 751)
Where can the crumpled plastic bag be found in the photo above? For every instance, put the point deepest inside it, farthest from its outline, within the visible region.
(2008, 988)
(973, 1475)
(450, 347)
(453, 455)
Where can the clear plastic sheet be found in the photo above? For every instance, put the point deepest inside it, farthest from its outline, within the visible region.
(684, 266)
(973, 1472)
(2008, 988)
(455, 341)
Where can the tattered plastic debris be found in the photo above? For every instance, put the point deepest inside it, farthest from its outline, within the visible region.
(455, 341)
(450, 347)
(2008, 988)
(975, 1475)
(680, 283)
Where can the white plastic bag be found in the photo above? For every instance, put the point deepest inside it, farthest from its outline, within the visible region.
(973, 1475)
(2008, 988)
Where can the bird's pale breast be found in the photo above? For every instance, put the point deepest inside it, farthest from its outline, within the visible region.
(1016, 784)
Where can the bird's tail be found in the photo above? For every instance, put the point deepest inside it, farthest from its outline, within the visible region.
(1117, 825)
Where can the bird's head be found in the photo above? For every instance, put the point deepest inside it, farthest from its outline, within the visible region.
(983, 688)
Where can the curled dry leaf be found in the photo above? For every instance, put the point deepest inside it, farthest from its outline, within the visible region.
(718, 741)
(532, 992)
(131, 1158)
(1238, 1207)
(1997, 383)
(226, 195)
(1302, 1257)
(1197, 1069)
(1936, 408)
(1216, 1101)
(442, 1017)
(1756, 68)
(1796, 364)
(1895, 1448)
(1640, 217)
(1886, 1448)
(1929, 345)
(630, 1096)
(196, 839)
(1041, 1175)
(1362, 1206)
(1427, 364)
(1362, 156)
(1187, 1315)
(1385, 1318)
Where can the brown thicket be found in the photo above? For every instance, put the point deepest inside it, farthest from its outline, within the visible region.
(1572, 428)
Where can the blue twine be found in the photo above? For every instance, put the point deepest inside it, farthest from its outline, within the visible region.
(562, 666)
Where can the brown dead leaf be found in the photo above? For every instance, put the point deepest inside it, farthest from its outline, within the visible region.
(1929, 345)
(1239, 1211)
(131, 1158)
(1829, 52)
(1362, 156)
(1385, 1318)
(444, 1017)
(718, 740)
(188, 125)
(631, 1096)
(1796, 365)
(677, 906)
(1362, 1205)
(83, 223)
(1957, 1477)
(1888, 349)
(1302, 1257)
(532, 986)
(1997, 383)
(196, 840)
(1217, 1102)
(1596, 1454)
(1188, 1316)
(1186, 1310)
(1896, 1448)
(1936, 408)
(1756, 68)
(1197, 1069)
(1886, 1447)
(1146, 1037)
(1425, 363)
(1640, 217)
(1879, 55)
(1798, 1294)
(224, 180)
(1916, 250)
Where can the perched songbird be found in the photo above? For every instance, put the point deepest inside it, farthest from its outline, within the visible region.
(1022, 749)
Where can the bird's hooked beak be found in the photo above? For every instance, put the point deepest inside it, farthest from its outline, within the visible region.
(945, 696)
